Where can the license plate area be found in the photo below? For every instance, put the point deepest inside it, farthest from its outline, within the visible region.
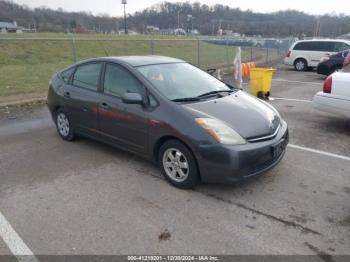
(277, 149)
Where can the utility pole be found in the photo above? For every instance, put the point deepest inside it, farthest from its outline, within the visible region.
(124, 2)
(178, 19)
(190, 23)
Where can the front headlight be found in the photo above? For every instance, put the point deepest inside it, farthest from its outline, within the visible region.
(220, 131)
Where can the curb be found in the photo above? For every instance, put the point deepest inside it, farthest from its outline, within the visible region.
(24, 103)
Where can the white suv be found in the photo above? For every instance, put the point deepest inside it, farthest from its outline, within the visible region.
(306, 54)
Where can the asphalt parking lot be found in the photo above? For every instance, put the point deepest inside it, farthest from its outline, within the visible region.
(88, 198)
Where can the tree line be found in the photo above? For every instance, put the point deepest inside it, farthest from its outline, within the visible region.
(206, 19)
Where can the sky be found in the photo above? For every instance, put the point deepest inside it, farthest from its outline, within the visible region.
(114, 7)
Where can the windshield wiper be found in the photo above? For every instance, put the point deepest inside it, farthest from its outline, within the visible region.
(198, 98)
(215, 92)
(186, 99)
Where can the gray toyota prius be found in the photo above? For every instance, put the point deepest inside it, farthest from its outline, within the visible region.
(195, 127)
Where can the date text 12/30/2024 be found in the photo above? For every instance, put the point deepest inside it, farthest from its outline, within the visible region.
(173, 258)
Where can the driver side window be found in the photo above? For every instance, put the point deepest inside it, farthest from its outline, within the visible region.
(118, 81)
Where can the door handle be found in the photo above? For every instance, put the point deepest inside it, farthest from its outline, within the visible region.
(66, 95)
(104, 105)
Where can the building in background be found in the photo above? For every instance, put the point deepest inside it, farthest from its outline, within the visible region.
(151, 29)
(169, 31)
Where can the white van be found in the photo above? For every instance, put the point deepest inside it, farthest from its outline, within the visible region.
(306, 54)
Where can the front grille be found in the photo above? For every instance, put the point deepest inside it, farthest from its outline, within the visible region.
(264, 138)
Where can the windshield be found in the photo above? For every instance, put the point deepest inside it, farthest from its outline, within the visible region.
(181, 80)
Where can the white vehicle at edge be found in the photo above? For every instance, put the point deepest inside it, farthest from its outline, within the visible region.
(306, 54)
(335, 97)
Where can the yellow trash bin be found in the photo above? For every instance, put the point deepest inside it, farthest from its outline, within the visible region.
(260, 81)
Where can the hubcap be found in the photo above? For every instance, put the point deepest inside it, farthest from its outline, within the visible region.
(175, 165)
(63, 124)
(300, 65)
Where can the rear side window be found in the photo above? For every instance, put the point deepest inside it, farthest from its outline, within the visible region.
(303, 46)
(309, 46)
(323, 46)
(319, 46)
(67, 74)
(88, 76)
(118, 81)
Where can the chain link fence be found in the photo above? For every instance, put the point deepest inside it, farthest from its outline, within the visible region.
(27, 63)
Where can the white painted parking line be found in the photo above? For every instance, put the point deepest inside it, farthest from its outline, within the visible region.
(291, 99)
(14, 242)
(297, 82)
(319, 152)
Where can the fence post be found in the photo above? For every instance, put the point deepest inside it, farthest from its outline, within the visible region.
(74, 48)
(267, 55)
(198, 53)
(152, 46)
(251, 54)
(227, 56)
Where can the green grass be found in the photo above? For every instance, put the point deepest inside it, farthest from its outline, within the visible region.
(27, 65)
(92, 36)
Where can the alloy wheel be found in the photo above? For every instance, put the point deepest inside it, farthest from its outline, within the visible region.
(63, 124)
(175, 165)
(300, 66)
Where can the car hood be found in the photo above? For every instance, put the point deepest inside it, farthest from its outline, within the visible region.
(247, 115)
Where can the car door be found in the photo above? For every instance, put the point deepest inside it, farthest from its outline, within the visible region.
(125, 125)
(318, 49)
(82, 97)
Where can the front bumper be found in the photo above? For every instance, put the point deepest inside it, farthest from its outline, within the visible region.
(228, 164)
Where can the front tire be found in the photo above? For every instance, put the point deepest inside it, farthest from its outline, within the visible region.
(64, 125)
(178, 165)
(300, 65)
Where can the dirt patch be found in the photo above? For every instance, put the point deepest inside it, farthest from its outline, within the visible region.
(346, 190)
(330, 193)
(21, 101)
(345, 222)
(164, 236)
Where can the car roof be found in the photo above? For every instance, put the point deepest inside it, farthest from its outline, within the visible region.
(324, 40)
(136, 61)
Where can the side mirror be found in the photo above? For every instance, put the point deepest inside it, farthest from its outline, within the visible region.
(132, 98)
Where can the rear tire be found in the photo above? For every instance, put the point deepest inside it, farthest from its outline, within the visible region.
(178, 165)
(64, 125)
(300, 65)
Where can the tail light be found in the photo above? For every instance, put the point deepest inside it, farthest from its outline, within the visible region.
(289, 53)
(347, 60)
(327, 85)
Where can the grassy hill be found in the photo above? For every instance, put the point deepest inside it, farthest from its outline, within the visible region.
(27, 64)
